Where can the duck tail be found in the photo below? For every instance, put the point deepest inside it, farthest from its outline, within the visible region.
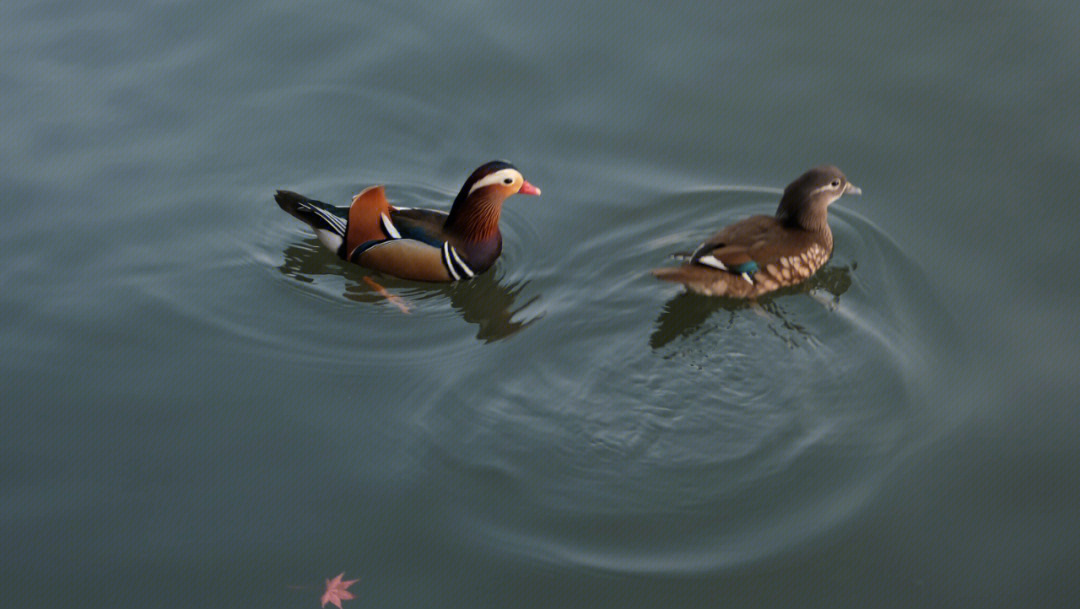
(295, 204)
(329, 226)
(675, 273)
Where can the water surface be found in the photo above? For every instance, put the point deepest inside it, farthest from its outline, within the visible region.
(204, 408)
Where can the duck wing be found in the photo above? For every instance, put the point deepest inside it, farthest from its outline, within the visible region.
(742, 247)
(418, 247)
(369, 221)
(782, 253)
(424, 225)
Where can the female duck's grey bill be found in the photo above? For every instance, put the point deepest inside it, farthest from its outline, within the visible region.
(852, 189)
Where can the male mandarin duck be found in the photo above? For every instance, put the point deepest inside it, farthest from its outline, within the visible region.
(764, 253)
(419, 244)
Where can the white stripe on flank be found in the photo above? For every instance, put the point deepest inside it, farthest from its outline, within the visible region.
(712, 261)
(461, 263)
(746, 276)
(388, 226)
(448, 263)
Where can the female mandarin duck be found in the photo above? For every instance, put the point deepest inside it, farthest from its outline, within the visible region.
(764, 253)
(420, 244)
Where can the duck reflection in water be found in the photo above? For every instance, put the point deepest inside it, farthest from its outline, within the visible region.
(482, 300)
(684, 314)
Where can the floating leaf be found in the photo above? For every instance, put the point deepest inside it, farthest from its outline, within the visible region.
(337, 590)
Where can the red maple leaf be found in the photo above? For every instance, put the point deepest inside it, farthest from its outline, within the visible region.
(337, 591)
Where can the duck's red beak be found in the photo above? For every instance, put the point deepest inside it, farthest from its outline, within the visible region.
(528, 189)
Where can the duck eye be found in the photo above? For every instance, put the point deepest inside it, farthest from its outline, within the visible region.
(835, 183)
(508, 181)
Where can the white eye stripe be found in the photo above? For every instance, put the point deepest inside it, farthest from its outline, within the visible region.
(495, 178)
(834, 185)
(830, 186)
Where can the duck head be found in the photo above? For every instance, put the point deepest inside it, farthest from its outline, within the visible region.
(806, 200)
(476, 209)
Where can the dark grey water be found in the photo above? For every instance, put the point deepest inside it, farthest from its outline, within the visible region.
(203, 408)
